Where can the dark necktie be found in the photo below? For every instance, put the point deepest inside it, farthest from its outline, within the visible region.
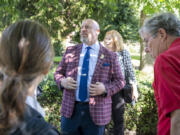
(84, 76)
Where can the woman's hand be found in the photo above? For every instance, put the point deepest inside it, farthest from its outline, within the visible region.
(135, 93)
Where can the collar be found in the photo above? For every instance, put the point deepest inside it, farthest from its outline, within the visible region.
(93, 46)
(175, 42)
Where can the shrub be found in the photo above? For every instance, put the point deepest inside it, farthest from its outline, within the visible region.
(143, 116)
(51, 99)
(58, 48)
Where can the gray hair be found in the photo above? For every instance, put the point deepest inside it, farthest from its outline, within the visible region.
(169, 22)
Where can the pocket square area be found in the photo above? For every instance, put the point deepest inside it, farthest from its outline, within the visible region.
(106, 64)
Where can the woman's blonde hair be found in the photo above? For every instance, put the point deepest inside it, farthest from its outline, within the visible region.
(117, 40)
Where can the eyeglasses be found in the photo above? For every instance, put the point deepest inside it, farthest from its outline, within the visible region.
(146, 40)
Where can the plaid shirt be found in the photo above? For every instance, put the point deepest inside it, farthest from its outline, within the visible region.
(107, 71)
(126, 65)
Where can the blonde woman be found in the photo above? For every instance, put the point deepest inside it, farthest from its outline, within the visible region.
(114, 42)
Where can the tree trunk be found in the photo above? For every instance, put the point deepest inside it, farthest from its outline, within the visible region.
(146, 61)
(142, 56)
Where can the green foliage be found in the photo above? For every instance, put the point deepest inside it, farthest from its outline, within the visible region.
(47, 12)
(123, 20)
(51, 99)
(155, 6)
(143, 116)
(112, 14)
(64, 17)
(135, 57)
(58, 48)
(57, 59)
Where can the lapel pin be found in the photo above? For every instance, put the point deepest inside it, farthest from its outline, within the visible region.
(102, 56)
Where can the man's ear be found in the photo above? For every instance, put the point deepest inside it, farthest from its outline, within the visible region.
(162, 33)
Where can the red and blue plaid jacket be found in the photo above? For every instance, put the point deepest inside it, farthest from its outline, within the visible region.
(107, 71)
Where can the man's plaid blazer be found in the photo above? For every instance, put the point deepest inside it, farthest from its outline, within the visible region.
(107, 71)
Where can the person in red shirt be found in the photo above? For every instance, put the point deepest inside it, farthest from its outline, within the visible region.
(161, 34)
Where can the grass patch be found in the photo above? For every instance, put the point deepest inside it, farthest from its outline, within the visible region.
(57, 59)
(135, 57)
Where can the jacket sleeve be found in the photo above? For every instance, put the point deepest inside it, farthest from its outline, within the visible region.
(61, 70)
(116, 82)
(34, 124)
(129, 71)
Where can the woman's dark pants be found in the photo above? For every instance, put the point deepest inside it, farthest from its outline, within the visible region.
(118, 107)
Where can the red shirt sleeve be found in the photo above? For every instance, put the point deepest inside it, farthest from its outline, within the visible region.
(168, 83)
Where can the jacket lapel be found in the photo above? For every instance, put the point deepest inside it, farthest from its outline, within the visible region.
(98, 64)
(76, 59)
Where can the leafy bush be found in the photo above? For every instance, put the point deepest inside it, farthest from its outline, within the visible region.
(143, 116)
(57, 59)
(51, 99)
(58, 48)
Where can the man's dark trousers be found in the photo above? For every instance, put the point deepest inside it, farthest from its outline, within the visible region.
(80, 123)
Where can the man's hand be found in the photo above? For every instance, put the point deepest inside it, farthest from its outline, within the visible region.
(97, 89)
(175, 122)
(69, 83)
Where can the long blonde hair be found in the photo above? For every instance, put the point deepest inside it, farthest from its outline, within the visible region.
(117, 40)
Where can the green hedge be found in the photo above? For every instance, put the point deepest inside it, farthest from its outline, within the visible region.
(143, 116)
(57, 59)
(51, 99)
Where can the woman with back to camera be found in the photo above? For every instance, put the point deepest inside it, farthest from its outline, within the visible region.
(26, 55)
(114, 42)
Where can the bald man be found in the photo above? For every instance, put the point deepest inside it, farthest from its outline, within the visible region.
(89, 75)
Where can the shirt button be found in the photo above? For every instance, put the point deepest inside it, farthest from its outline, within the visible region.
(82, 113)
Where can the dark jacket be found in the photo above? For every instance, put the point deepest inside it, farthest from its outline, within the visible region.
(34, 124)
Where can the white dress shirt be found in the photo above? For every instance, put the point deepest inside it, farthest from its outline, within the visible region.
(94, 51)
